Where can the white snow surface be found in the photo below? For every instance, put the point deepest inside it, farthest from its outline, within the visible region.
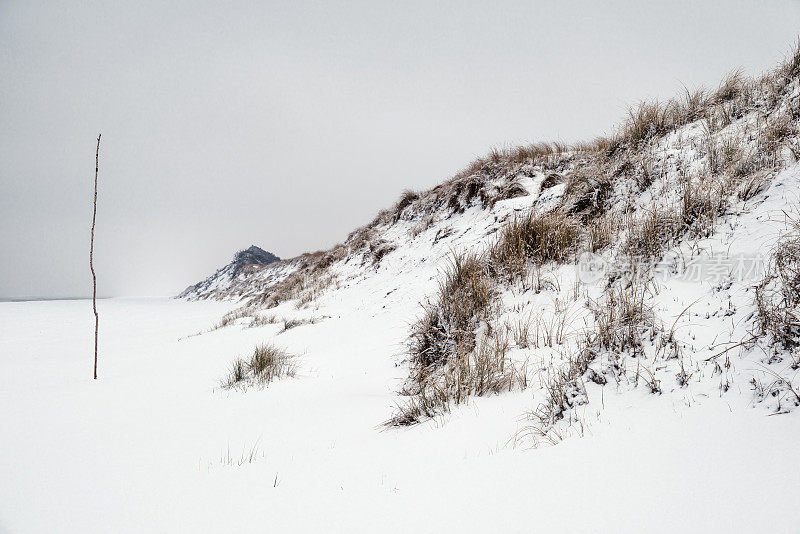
(140, 449)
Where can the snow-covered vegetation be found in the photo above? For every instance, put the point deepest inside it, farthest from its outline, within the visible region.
(632, 300)
(601, 263)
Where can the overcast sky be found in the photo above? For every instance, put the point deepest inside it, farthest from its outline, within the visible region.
(288, 124)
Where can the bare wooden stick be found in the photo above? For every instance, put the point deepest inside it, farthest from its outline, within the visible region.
(91, 256)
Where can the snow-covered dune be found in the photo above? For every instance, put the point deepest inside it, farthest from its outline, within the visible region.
(639, 373)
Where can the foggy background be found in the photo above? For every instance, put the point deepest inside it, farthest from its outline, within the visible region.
(288, 124)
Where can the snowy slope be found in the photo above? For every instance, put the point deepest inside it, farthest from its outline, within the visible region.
(690, 427)
(699, 285)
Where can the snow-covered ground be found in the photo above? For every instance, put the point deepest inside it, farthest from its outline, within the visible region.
(155, 445)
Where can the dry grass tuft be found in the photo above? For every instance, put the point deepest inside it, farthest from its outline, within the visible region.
(727, 155)
(512, 189)
(692, 107)
(777, 300)
(229, 319)
(647, 120)
(622, 319)
(262, 320)
(406, 199)
(266, 364)
(650, 234)
(753, 185)
(464, 190)
(778, 295)
(790, 69)
(780, 128)
(736, 157)
(466, 295)
(587, 192)
(702, 202)
(288, 324)
(541, 238)
(550, 329)
(564, 390)
(481, 370)
(454, 351)
(304, 285)
(603, 231)
(731, 87)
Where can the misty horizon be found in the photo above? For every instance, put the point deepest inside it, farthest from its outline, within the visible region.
(287, 126)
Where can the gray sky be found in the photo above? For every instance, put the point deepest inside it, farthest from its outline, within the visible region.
(288, 124)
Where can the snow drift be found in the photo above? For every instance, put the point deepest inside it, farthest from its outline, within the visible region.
(632, 261)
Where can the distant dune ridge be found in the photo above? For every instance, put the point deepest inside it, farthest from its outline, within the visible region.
(243, 262)
(252, 256)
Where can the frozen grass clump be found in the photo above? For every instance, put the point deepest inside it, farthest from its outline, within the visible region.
(449, 363)
(777, 297)
(537, 238)
(703, 201)
(651, 233)
(588, 190)
(465, 297)
(267, 363)
(623, 318)
(484, 369)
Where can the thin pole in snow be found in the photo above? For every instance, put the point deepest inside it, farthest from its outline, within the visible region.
(91, 255)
